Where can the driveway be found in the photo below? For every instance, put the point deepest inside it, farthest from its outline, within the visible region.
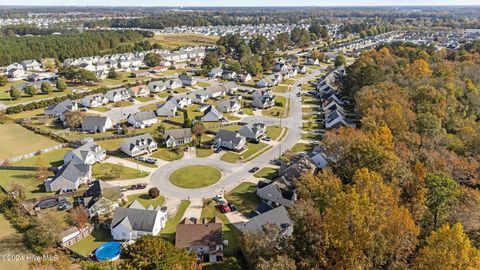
(236, 173)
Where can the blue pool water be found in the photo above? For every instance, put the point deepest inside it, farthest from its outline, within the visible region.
(108, 251)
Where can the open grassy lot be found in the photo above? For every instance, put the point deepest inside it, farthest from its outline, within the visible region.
(5, 94)
(109, 171)
(244, 196)
(11, 243)
(230, 127)
(281, 88)
(274, 131)
(17, 140)
(200, 152)
(111, 145)
(101, 109)
(33, 187)
(168, 154)
(172, 222)
(309, 136)
(196, 176)
(203, 84)
(144, 99)
(52, 158)
(302, 147)
(145, 200)
(267, 172)
(90, 243)
(172, 41)
(252, 151)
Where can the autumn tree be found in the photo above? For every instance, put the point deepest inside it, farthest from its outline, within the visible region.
(152, 59)
(153, 252)
(198, 130)
(279, 262)
(73, 119)
(79, 216)
(45, 230)
(443, 191)
(46, 87)
(18, 191)
(262, 246)
(448, 248)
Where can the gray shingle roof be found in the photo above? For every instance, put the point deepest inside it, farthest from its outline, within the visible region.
(143, 116)
(229, 136)
(178, 134)
(134, 218)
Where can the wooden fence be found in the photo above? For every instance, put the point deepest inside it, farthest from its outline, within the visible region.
(29, 155)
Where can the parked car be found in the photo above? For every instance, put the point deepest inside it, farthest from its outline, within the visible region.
(224, 208)
(299, 94)
(150, 160)
(232, 207)
(140, 158)
(138, 186)
(217, 150)
(254, 169)
(219, 199)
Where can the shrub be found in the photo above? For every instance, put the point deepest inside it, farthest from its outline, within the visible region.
(153, 192)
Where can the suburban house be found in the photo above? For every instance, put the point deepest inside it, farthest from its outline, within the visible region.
(280, 67)
(301, 69)
(199, 96)
(269, 81)
(211, 114)
(135, 221)
(139, 91)
(180, 101)
(229, 75)
(229, 105)
(215, 91)
(230, 87)
(264, 102)
(142, 119)
(118, 94)
(16, 73)
(312, 61)
(69, 177)
(139, 73)
(187, 80)
(176, 137)
(205, 238)
(31, 65)
(215, 73)
(102, 198)
(94, 123)
(253, 132)
(59, 109)
(281, 191)
(168, 109)
(276, 216)
(244, 77)
(139, 145)
(158, 86)
(230, 139)
(158, 69)
(94, 101)
(174, 84)
(89, 153)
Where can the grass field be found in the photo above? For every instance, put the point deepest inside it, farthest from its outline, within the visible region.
(92, 242)
(203, 84)
(244, 196)
(17, 140)
(101, 109)
(11, 243)
(172, 222)
(196, 176)
(52, 158)
(109, 171)
(172, 41)
(5, 94)
(281, 88)
(230, 128)
(33, 187)
(145, 200)
(111, 145)
(168, 154)
(302, 147)
(253, 149)
(203, 152)
(267, 172)
(274, 131)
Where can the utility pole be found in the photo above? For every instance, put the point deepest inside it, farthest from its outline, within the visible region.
(280, 144)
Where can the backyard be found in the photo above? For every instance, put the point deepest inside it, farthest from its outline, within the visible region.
(244, 196)
(88, 244)
(146, 200)
(53, 158)
(109, 171)
(28, 179)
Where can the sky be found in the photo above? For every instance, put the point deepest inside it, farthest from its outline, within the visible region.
(200, 3)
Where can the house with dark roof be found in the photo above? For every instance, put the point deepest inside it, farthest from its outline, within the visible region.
(102, 198)
(205, 238)
(230, 139)
(142, 119)
(277, 216)
(211, 114)
(94, 123)
(135, 221)
(230, 87)
(70, 176)
(59, 109)
(187, 80)
(281, 191)
(139, 145)
(177, 137)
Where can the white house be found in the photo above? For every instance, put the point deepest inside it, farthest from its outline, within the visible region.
(230, 139)
(139, 145)
(118, 94)
(142, 119)
(176, 137)
(94, 101)
(89, 153)
(93, 123)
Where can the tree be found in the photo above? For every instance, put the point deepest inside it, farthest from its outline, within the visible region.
(46, 87)
(3, 80)
(73, 119)
(153, 252)
(30, 90)
(61, 85)
(153, 192)
(79, 216)
(448, 248)
(18, 191)
(258, 247)
(113, 74)
(279, 262)
(254, 68)
(45, 230)
(316, 54)
(210, 61)
(340, 60)
(187, 123)
(443, 191)
(232, 64)
(198, 130)
(152, 59)
(15, 93)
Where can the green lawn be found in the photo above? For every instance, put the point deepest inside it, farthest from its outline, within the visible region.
(172, 41)
(267, 172)
(289, 82)
(280, 101)
(33, 187)
(309, 109)
(274, 131)
(196, 176)
(252, 151)
(307, 87)
(200, 152)
(11, 243)
(244, 196)
(111, 145)
(123, 103)
(203, 84)
(168, 154)
(101, 109)
(52, 158)
(144, 99)
(109, 171)
(87, 245)
(281, 88)
(145, 200)
(171, 225)
(17, 140)
(230, 128)
(302, 147)
(5, 95)
(231, 117)
(247, 110)
(152, 106)
(308, 136)
(27, 114)
(275, 112)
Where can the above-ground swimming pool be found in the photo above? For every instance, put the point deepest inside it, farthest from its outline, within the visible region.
(108, 252)
(48, 203)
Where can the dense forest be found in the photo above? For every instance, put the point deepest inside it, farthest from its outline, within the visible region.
(402, 190)
(15, 49)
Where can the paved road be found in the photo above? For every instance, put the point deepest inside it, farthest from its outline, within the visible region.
(236, 173)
